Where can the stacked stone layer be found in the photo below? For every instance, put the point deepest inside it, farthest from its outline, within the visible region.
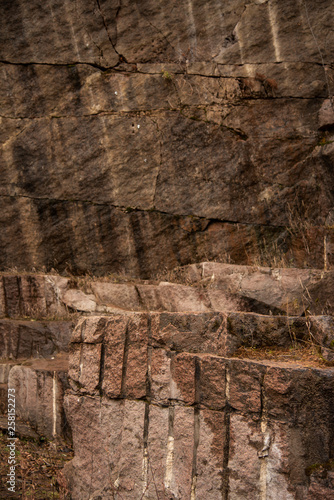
(147, 386)
(168, 413)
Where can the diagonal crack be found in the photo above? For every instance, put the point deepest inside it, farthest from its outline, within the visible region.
(122, 58)
(13, 137)
(124, 209)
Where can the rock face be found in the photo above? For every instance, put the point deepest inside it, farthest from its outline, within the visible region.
(169, 415)
(39, 388)
(136, 137)
(143, 135)
(203, 287)
(154, 386)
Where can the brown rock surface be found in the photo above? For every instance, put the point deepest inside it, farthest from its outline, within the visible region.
(203, 287)
(25, 339)
(290, 291)
(133, 135)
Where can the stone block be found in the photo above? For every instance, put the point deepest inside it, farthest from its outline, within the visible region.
(210, 456)
(212, 386)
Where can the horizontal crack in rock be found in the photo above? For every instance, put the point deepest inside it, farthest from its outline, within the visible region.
(151, 210)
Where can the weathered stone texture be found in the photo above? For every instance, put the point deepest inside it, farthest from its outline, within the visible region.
(194, 424)
(153, 241)
(137, 136)
(265, 290)
(215, 112)
(39, 394)
(27, 339)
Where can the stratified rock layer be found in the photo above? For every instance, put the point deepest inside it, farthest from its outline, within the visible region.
(152, 391)
(143, 135)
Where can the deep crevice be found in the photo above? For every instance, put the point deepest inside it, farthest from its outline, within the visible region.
(125, 361)
(227, 421)
(196, 443)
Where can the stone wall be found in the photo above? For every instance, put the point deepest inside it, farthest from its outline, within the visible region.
(154, 381)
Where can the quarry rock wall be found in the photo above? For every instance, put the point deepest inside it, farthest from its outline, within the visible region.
(138, 136)
(205, 386)
(141, 135)
(166, 415)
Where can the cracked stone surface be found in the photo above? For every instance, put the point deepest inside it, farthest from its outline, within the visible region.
(141, 135)
(152, 393)
(184, 422)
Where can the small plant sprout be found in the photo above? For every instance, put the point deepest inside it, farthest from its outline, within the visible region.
(166, 76)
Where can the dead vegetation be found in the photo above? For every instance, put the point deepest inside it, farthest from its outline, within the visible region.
(39, 469)
(306, 354)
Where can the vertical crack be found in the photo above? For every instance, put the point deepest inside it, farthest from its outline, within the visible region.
(145, 448)
(196, 442)
(197, 381)
(227, 422)
(225, 479)
(102, 361)
(20, 296)
(142, 304)
(264, 452)
(122, 58)
(81, 363)
(54, 404)
(149, 360)
(5, 296)
(125, 361)
(170, 450)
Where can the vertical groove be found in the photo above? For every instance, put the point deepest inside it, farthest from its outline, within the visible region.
(102, 361)
(5, 296)
(197, 381)
(170, 450)
(225, 482)
(149, 360)
(20, 298)
(146, 424)
(140, 300)
(81, 363)
(263, 454)
(227, 421)
(146, 457)
(54, 404)
(196, 442)
(125, 361)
